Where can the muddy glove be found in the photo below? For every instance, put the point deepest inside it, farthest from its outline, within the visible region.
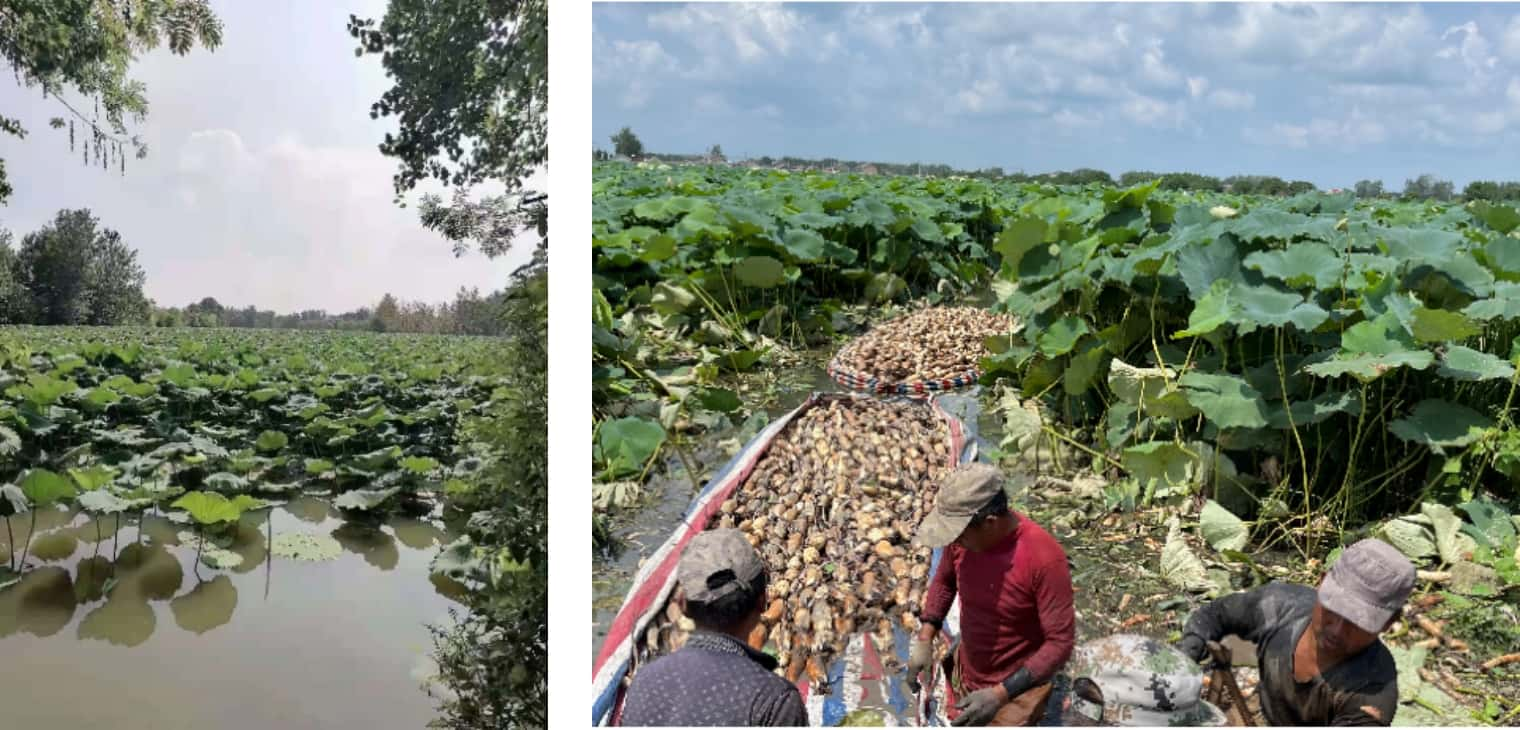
(920, 656)
(1194, 646)
(979, 707)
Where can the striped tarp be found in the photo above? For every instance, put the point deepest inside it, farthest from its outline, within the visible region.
(857, 675)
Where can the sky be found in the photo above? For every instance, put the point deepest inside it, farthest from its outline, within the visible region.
(1330, 93)
(263, 183)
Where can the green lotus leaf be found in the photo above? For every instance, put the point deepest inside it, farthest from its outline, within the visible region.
(13, 501)
(43, 487)
(364, 499)
(761, 272)
(1441, 425)
(1501, 218)
(1370, 349)
(1211, 312)
(271, 441)
(1203, 266)
(1160, 465)
(102, 501)
(226, 482)
(627, 443)
(884, 287)
(1147, 388)
(98, 399)
(1228, 401)
(1061, 336)
(1440, 325)
(671, 298)
(378, 459)
(1459, 362)
(1303, 264)
(1266, 305)
(1503, 304)
(418, 464)
(1413, 539)
(1017, 238)
(719, 399)
(1179, 566)
(461, 560)
(1307, 412)
(1222, 529)
(10, 441)
(93, 477)
(181, 374)
(209, 508)
(318, 466)
(302, 546)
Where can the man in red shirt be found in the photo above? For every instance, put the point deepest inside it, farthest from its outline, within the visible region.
(1017, 622)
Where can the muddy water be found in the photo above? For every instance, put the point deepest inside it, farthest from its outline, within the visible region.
(115, 629)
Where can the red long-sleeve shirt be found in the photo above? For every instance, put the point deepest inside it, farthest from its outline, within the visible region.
(1016, 608)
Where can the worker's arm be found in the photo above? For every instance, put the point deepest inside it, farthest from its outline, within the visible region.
(1370, 707)
(1053, 597)
(941, 593)
(1248, 614)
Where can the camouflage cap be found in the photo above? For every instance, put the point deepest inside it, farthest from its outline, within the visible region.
(717, 563)
(966, 491)
(1144, 682)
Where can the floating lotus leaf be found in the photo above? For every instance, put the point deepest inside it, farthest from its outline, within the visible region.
(220, 558)
(209, 508)
(364, 499)
(93, 477)
(102, 501)
(302, 546)
(1441, 425)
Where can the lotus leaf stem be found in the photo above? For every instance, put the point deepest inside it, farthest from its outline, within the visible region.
(26, 550)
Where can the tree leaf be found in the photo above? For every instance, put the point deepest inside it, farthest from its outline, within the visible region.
(1222, 529)
(1440, 425)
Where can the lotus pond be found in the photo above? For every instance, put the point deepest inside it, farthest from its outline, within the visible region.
(243, 526)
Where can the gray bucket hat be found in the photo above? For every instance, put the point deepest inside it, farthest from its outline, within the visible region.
(717, 563)
(1145, 682)
(1368, 584)
(965, 492)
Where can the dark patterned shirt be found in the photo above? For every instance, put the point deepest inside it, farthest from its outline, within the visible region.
(713, 680)
(1361, 690)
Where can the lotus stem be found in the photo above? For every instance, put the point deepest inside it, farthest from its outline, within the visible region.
(11, 543)
(199, 541)
(26, 550)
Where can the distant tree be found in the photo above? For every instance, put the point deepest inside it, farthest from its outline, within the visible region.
(114, 289)
(626, 144)
(387, 315)
(75, 272)
(1368, 188)
(715, 153)
(1483, 190)
(1298, 187)
(88, 46)
(1428, 187)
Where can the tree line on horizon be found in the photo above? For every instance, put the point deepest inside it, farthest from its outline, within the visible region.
(74, 271)
(626, 144)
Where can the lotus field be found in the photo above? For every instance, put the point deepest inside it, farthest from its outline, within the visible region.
(139, 460)
(1309, 366)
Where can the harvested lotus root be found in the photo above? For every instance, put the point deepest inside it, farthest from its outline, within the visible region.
(832, 507)
(930, 344)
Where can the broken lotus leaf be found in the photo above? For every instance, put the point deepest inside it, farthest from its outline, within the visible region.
(1179, 566)
(364, 499)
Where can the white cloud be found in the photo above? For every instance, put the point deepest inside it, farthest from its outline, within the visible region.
(1278, 135)
(1152, 112)
(1232, 99)
(1154, 69)
(1511, 39)
(1356, 129)
(752, 31)
(1197, 85)
(712, 104)
(1068, 119)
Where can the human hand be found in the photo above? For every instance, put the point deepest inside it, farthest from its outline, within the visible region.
(919, 656)
(979, 707)
(1194, 646)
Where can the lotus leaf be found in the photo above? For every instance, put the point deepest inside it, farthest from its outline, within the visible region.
(307, 547)
(419, 464)
(43, 487)
(364, 499)
(1221, 529)
(1441, 425)
(271, 441)
(93, 477)
(1226, 400)
(760, 271)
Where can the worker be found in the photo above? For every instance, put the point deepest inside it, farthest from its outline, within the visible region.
(1131, 680)
(1318, 650)
(1016, 619)
(716, 678)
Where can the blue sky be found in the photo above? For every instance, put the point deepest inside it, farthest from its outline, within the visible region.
(263, 184)
(1326, 93)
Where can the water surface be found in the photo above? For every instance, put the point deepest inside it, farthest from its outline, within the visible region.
(117, 630)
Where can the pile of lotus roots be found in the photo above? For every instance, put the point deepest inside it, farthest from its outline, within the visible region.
(832, 507)
(930, 344)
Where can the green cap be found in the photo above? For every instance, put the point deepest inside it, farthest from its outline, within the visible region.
(968, 489)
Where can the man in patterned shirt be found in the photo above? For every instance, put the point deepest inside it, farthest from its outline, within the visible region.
(716, 678)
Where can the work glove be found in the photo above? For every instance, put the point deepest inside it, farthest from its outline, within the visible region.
(979, 707)
(1194, 646)
(919, 657)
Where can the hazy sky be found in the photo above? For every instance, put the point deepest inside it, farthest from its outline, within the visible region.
(1326, 93)
(263, 184)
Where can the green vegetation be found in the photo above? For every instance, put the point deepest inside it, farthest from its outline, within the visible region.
(470, 82)
(215, 423)
(86, 48)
